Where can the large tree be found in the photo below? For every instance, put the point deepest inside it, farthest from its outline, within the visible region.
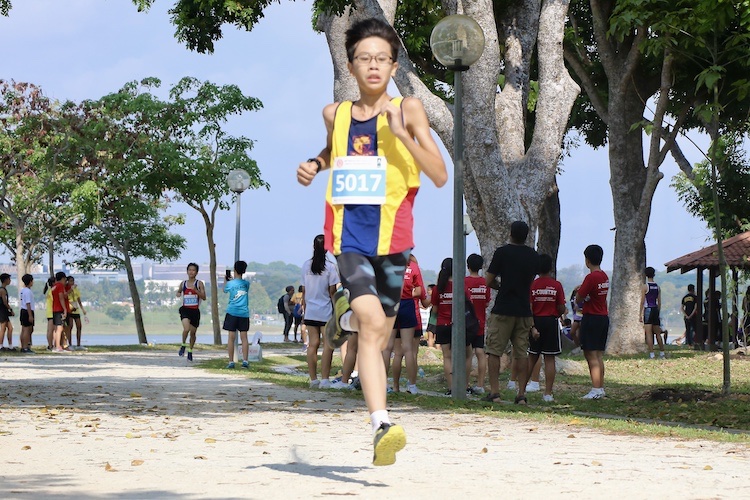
(124, 143)
(209, 154)
(35, 179)
(631, 60)
(510, 160)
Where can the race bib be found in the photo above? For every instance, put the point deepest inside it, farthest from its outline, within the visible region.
(189, 300)
(358, 180)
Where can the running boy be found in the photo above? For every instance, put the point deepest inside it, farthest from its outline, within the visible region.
(595, 321)
(376, 148)
(192, 292)
(238, 312)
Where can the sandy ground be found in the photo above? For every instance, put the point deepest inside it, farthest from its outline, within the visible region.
(147, 425)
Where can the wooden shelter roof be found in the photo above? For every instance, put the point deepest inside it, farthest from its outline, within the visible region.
(736, 252)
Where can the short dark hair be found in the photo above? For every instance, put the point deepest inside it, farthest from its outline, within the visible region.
(650, 272)
(545, 264)
(519, 231)
(59, 276)
(594, 253)
(474, 262)
(289, 288)
(27, 279)
(240, 267)
(193, 264)
(4, 277)
(691, 288)
(368, 28)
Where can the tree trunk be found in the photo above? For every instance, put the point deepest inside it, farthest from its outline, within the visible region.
(136, 299)
(51, 253)
(627, 183)
(209, 221)
(21, 263)
(504, 179)
(550, 226)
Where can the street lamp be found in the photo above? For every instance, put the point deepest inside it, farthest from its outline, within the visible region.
(238, 181)
(457, 42)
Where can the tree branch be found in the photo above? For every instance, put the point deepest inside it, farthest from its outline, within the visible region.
(606, 52)
(682, 162)
(588, 86)
(633, 58)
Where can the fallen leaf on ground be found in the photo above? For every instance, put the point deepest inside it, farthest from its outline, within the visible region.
(136, 462)
(210, 440)
(200, 457)
(259, 443)
(571, 435)
(135, 395)
(596, 463)
(109, 468)
(708, 467)
(484, 450)
(26, 448)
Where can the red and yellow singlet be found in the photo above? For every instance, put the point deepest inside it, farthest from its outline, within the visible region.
(372, 230)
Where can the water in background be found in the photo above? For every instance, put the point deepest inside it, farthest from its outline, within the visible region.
(132, 338)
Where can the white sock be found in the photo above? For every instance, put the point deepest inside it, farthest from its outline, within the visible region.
(651, 355)
(378, 417)
(345, 321)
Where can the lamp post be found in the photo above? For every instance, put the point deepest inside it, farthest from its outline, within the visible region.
(457, 42)
(238, 181)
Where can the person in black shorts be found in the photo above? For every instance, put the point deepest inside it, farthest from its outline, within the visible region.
(6, 326)
(192, 291)
(547, 304)
(595, 321)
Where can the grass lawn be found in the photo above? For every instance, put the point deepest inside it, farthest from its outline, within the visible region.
(643, 396)
(680, 396)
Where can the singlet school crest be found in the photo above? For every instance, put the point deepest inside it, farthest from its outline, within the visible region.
(372, 229)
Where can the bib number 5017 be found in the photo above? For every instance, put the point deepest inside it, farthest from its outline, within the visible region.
(358, 180)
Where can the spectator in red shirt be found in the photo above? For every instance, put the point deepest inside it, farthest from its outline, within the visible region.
(59, 309)
(547, 304)
(479, 295)
(595, 321)
(401, 343)
(442, 302)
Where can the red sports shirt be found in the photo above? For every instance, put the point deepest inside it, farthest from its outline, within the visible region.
(594, 289)
(546, 294)
(479, 294)
(57, 306)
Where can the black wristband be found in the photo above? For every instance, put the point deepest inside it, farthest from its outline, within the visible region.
(317, 162)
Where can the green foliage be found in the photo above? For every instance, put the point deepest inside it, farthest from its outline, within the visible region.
(36, 177)
(733, 188)
(5, 7)
(117, 312)
(196, 116)
(199, 22)
(259, 301)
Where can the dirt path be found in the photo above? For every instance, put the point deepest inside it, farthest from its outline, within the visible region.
(146, 425)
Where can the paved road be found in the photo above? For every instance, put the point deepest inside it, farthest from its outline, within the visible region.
(147, 425)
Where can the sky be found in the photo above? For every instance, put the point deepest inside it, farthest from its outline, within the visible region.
(84, 49)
